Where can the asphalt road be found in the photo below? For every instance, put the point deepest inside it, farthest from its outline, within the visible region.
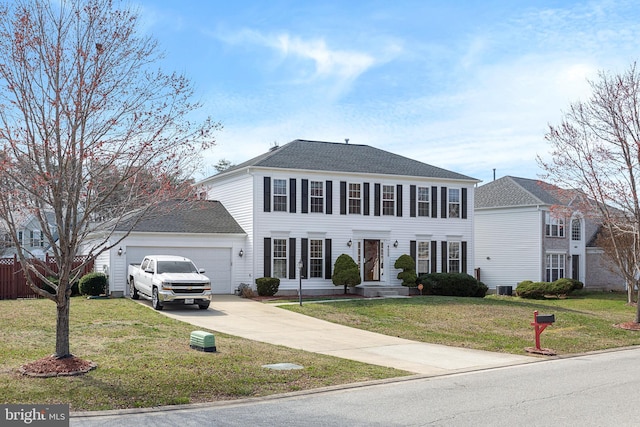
(590, 390)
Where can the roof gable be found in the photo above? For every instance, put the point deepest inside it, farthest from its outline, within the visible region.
(342, 157)
(510, 191)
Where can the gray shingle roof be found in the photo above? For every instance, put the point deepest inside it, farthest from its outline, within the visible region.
(514, 191)
(198, 216)
(341, 157)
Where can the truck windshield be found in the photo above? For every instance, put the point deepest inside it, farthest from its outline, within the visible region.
(176, 267)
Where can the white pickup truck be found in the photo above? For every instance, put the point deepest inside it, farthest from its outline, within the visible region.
(168, 278)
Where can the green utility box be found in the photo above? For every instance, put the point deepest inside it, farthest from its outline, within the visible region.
(203, 341)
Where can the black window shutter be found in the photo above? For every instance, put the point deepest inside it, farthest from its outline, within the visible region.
(464, 203)
(292, 195)
(412, 201)
(413, 251)
(434, 202)
(376, 199)
(432, 256)
(267, 194)
(343, 197)
(267, 257)
(445, 256)
(399, 200)
(443, 202)
(305, 196)
(365, 190)
(293, 265)
(327, 258)
(304, 253)
(463, 256)
(329, 197)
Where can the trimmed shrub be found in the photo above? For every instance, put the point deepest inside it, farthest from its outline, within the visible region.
(452, 284)
(267, 286)
(540, 290)
(345, 272)
(408, 274)
(93, 284)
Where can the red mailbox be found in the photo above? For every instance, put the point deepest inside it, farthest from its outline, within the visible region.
(540, 323)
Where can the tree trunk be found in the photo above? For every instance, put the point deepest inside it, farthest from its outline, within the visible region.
(637, 319)
(62, 326)
(345, 289)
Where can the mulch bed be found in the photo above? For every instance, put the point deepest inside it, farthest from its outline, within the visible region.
(629, 326)
(51, 366)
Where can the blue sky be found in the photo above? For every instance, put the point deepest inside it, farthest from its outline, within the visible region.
(465, 85)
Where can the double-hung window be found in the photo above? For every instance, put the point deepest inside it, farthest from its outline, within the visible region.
(388, 200)
(317, 196)
(453, 257)
(554, 227)
(454, 203)
(424, 258)
(354, 198)
(576, 229)
(315, 258)
(555, 267)
(423, 201)
(279, 195)
(280, 258)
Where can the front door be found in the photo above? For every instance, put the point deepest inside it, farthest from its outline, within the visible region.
(372, 260)
(575, 264)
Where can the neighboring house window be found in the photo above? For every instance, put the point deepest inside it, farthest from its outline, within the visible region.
(317, 197)
(315, 258)
(454, 257)
(423, 201)
(388, 200)
(36, 238)
(454, 203)
(424, 259)
(279, 195)
(554, 227)
(354, 199)
(555, 267)
(576, 230)
(20, 238)
(280, 258)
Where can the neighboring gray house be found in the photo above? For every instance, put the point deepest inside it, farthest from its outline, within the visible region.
(200, 230)
(311, 201)
(30, 236)
(519, 238)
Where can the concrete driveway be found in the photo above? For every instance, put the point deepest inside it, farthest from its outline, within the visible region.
(258, 321)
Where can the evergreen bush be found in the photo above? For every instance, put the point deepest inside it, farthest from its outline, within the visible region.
(408, 266)
(267, 286)
(345, 272)
(452, 284)
(93, 284)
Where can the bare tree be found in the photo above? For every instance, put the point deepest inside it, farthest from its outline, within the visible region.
(621, 255)
(80, 98)
(596, 148)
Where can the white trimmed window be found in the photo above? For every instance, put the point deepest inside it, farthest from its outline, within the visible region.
(317, 196)
(280, 258)
(554, 227)
(555, 267)
(454, 203)
(424, 258)
(388, 200)
(355, 200)
(279, 195)
(453, 249)
(315, 258)
(576, 229)
(423, 201)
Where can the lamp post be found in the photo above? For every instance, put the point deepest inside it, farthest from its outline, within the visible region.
(300, 283)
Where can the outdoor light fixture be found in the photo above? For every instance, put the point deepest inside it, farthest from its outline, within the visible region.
(349, 243)
(240, 253)
(120, 251)
(395, 244)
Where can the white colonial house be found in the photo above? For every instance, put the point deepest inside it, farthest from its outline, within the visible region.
(518, 237)
(309, 202)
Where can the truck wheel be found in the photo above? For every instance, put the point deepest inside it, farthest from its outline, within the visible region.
(155, 300)
(204, 305)
(133, 292)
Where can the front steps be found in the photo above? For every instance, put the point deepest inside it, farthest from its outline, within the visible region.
(372, 291)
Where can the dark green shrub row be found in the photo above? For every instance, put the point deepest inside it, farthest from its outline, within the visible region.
(539, 290)
(93, 284)
(452, 284)
(267, 286)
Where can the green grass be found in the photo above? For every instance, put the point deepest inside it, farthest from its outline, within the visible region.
(494, 323)
(144, 360)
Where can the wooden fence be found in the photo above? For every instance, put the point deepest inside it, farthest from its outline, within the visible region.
(13, 283)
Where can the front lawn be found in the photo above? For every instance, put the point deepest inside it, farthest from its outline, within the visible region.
(494, 323)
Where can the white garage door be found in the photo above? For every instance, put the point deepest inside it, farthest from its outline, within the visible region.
(215, 261)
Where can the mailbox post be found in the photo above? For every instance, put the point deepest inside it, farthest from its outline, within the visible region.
(540, 323)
